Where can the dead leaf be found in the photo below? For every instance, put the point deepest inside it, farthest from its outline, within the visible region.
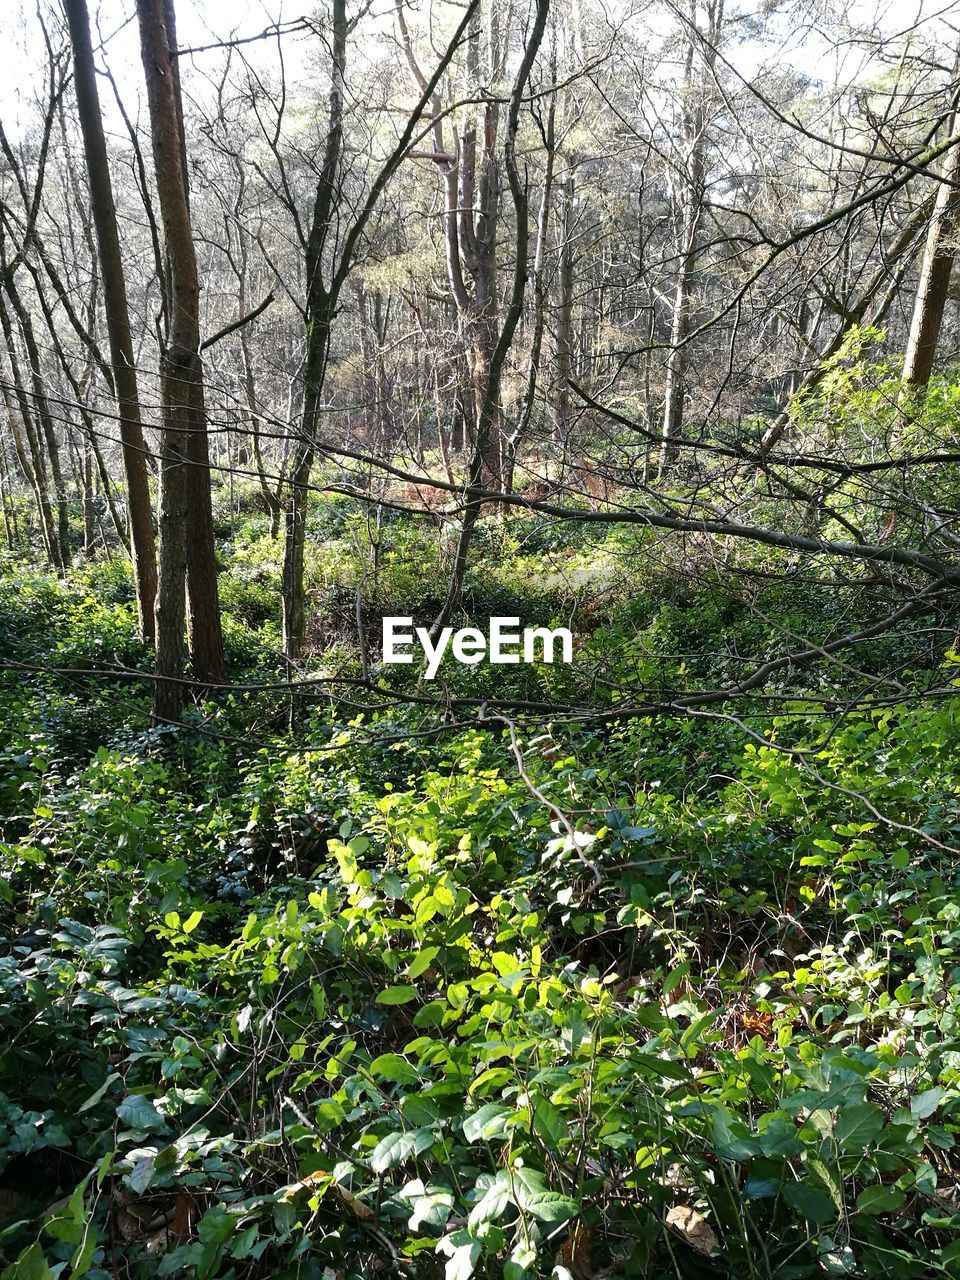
(759, 1024)
(574, 1253)
(319, 1183)
(694, 1229)
(184, 1211)
(350, 1201)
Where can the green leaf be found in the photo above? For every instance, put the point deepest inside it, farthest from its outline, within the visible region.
(30, 1265)
(732, 1139)
(391, 1066)
(926, 1103)
(192, 920)
(813, 1204)
(463, 1254)
(532, 1194)
(139, 1113)
(487, 1124)
(402, 994)
(68, 1223)
(662, 1068)
(491, 1205)
(423, 961)
(880, 1199)
(549, 1124)
(431, 1209)
(395, 1148)
(858, 1124)
(431, 1015)
(830, 1178)
(98, 1094)
(141, 1175)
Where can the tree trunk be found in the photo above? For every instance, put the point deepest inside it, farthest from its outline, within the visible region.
(934, 283)
(319, 315)
(693, 180)
(34, 468)
(186, 522)
(489, 416)
(103, 210)
(564, 337)
(45, 507)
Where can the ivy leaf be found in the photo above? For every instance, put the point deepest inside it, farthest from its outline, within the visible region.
(880, 1199)
(926, 1103)
(422, 962)
(532, 1194)
(139, 1113)
(391, 1066)
(69, 1223)
(813, 1204)
(395, 1148)
(548, 1123)
(463, 1253)
(30, 1265)
(139, 1179)
(432, 1209)
(732, 1139)
(402, 994)
(491, 1205)
(858, 1124)
(487, 1124)
(98, 1094)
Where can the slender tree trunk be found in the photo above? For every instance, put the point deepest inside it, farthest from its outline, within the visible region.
(38, 457)
(6, 490)
(103, 210)
(48, 431)
(513, 442)
(489, 416)
(871, 307)
(186, 524)
(564, 336)
(693, 183)
(320, 307)
(935, 273)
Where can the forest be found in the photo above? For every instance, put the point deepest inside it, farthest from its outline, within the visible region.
(338, 343)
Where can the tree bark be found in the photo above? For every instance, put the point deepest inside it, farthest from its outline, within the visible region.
(694, 129)
(935, 273)
(489, 415)
(103, 210)
(35, 469)
(47, 460)
(186, 522)
(319, 316)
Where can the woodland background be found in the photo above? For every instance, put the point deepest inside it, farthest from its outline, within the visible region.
(637, 318)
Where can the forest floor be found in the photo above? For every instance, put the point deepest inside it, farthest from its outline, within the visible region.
(353, 1001)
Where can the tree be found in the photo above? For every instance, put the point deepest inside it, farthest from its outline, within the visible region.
(123, 368)
(934, 284)
(185, 518)
(691, 182)
(328, 265)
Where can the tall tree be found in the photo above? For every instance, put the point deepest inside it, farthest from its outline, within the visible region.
(186, 523)
(489, 412)
(934, 284)
(122, 366)
(690, 206)
(328, 266)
